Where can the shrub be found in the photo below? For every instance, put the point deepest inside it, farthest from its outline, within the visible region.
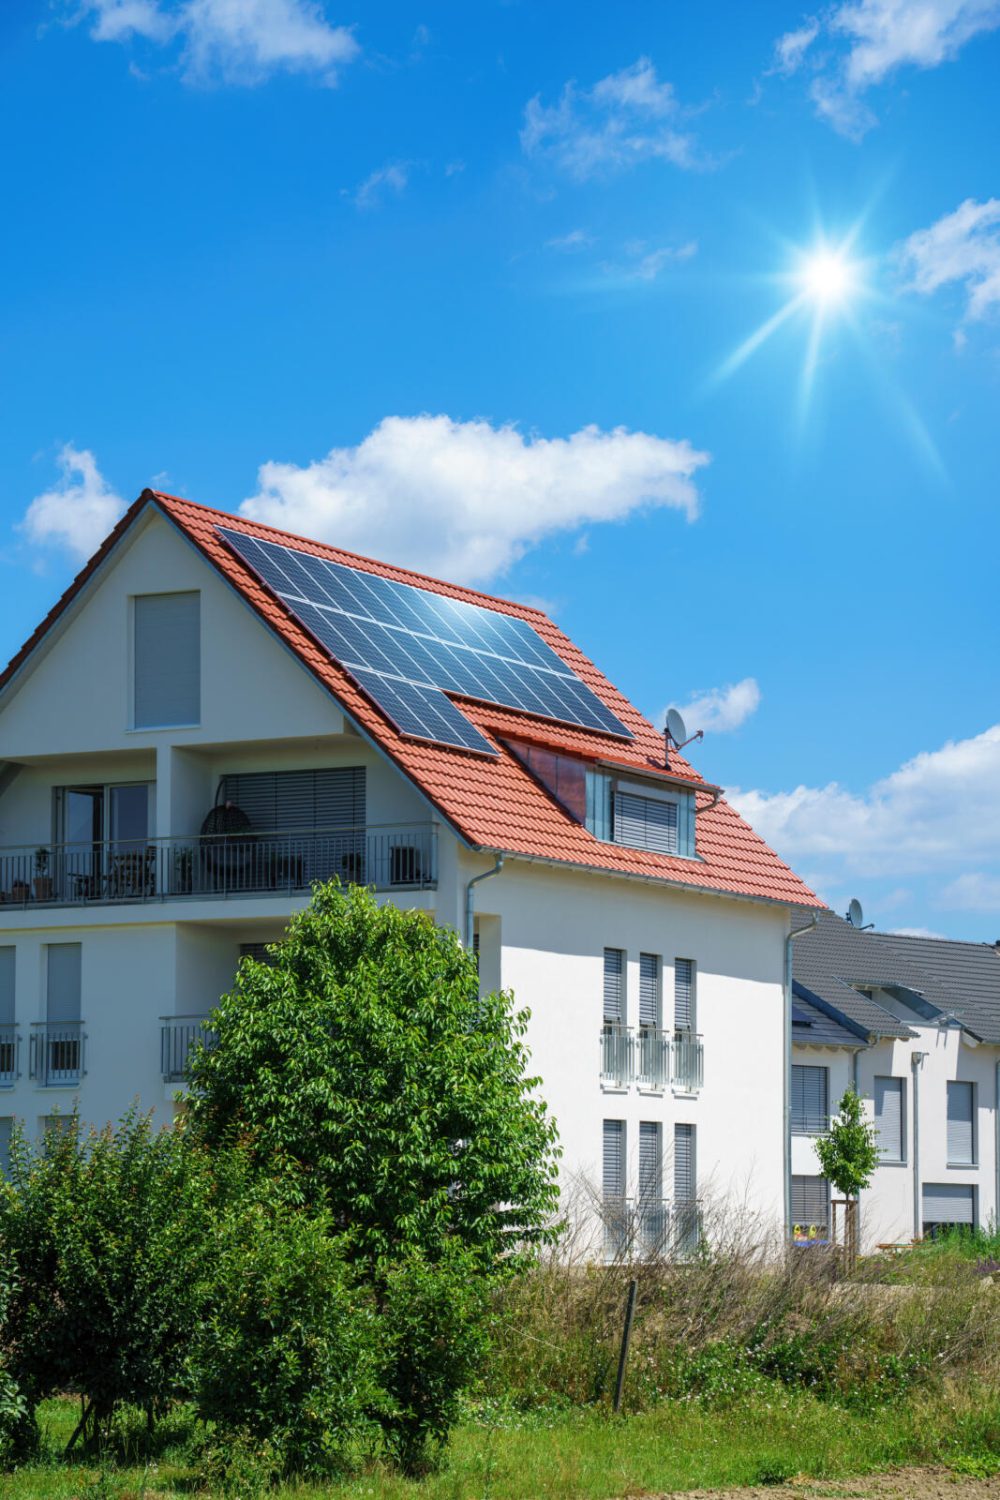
(16, 1420)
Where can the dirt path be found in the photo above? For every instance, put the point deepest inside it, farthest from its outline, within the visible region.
(905, 1484)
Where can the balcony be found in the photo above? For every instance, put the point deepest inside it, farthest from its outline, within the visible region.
(57, 1053)
(10, 1050)
(649, 1229)
(651, 1059)
(178, 1034)
(400, 856)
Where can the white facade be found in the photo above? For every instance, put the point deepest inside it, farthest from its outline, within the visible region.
(154, 961)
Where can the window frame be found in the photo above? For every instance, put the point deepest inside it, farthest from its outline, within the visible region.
(133, 726)
(802, 1124)
(903, 1159)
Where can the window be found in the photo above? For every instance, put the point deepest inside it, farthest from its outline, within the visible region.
(810, 1099)
(613, 1166)
(6, 1127)
(890, 1123)
(961, 1125)
(650, 1161)
(259, 951)
(649, 990)
(166, 660)
(582, 791)
(684, 996)
(810, 1208)
(685, 1166)
(648, 818)
(8, 1034)
(57, 1046)
(948, 1204)
(614, 987)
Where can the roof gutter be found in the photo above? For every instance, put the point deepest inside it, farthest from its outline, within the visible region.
(786, 1071)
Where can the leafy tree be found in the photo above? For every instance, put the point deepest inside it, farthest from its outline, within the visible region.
(848, 1153)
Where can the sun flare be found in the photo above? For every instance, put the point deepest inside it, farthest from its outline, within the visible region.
(827, 277)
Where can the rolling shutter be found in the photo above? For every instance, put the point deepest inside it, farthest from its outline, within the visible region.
(683, 994)
(614, 1159)
(167, 660)
(685, 1167)
(961, 1143)
(6, 986)
(650, 1161)
(889, 1117)
(63, 983)
(614, 986)
(948, 1203)
(649, 989)
(810, 1202)
(259, 951)
(278, 801)
(645, 823)
(810, 1099)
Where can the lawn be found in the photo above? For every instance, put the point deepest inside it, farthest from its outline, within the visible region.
(586, 1455)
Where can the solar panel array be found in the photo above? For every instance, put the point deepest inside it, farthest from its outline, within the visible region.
(407, 647)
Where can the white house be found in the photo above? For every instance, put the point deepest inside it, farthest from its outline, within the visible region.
(215, 714)
(914, 1024)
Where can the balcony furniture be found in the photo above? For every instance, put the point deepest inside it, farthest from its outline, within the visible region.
(57, 1052)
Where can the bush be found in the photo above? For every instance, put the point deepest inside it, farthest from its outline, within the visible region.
(17, 1424)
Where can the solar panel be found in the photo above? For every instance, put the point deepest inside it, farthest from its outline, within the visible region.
(407, 647)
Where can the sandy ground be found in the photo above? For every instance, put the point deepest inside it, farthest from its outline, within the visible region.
(905, 1484)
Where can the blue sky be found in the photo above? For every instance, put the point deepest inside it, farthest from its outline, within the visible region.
(462, 286)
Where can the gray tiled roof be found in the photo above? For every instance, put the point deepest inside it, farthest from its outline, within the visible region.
(817, 1029)
(832, 962)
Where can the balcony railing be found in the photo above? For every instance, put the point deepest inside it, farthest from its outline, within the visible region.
(651, 1058)
(57, 1052)
(399, 856)
(10, 1049)
(178, 1034)
(649, 1229)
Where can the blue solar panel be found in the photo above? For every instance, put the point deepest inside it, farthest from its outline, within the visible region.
(407, 647)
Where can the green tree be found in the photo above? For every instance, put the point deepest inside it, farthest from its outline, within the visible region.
(848, 1153)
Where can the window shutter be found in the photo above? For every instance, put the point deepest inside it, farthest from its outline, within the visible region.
(650, 1161)
(683, 994)
(257, 951)
(279, 801)
(7, 986)
(889, 1117)
(614, 1159)
(961, 1143)
(685, 1179)
(167, 659)
(614, 987)
(62, 983)
(645, 823)
(810, 1099)
(811, 1202)
(948, 1203)
(649, 989)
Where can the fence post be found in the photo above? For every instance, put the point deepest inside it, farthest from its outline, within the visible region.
(626, 1340)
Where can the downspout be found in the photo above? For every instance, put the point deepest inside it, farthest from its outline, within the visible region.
(470, 899)
(996, 1163)
(786, 1072)
(916, 1063)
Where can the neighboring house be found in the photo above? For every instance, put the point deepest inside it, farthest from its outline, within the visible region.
(216, 714)
(914, 1023)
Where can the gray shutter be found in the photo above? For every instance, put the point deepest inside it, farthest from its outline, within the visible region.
(614, 986)
(961, 1144)
(6, 1126)
(614, 1159)
(685, 1167)
(948, 1203)
(62, 975)
(167, 659)
(259, 951)
(811, 1202)
(889, 1117)
(645, 823)
(7, 986)
(650, 1161)
(810, 1099)
(683, 994)
(279, 801)
(649, 989)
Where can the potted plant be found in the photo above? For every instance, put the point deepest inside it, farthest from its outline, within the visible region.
(43, 880)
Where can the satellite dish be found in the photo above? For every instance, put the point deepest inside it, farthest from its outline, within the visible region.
(676, 728)
(855, 915)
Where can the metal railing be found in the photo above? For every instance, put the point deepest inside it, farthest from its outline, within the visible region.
(57, 1052)
(649, 1229)
(809, 1124)
(10, 1050)
(651, 1058)
(178, 1034)
(392, 856)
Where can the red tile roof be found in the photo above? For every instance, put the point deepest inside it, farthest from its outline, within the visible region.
(494, 803)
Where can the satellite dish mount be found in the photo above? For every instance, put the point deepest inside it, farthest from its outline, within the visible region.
(856, 916)
(675, 734)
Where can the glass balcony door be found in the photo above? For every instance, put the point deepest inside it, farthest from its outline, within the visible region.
(103, 838)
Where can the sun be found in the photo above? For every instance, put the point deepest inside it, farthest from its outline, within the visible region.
(827, 276)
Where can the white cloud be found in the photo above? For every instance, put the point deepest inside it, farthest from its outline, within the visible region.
(576, 239)
(78, 511)
(721, 710)
(918, 932)
(235, 41)
(646, 264)
(624, 119)
(938, 811)
(973, 891)
(868, 40)
(961, 247)
(392, 178)
(466, 499)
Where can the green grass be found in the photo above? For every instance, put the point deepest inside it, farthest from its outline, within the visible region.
(592, 1456)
